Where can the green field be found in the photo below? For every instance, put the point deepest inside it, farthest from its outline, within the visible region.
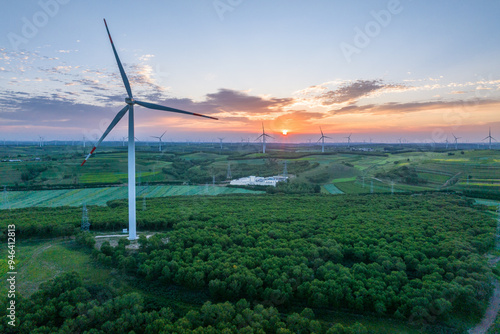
(477, 170)
(40, 260)
(100, 196)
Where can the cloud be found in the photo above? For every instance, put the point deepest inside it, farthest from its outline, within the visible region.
(401, 108)
(234, 101)
(146, 57)
(234, 106)
(351, 92)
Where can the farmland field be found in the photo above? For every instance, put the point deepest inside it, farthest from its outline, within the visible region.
(99, 196)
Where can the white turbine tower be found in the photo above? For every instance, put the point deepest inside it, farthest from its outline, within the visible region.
(456, 141)
(322, 140)
(490, 138)
(159, 138)
(130, 101)
(220, 140)
(263, 135)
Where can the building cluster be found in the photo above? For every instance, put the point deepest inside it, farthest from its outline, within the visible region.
(258, 181)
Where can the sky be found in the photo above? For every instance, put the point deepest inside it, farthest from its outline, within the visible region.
(418, 71)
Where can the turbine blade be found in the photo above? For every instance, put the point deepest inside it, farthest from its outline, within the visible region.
(159, 107)
(321, 131)
(258, 137)
(117, 118)
(163, 134)
(122, 71)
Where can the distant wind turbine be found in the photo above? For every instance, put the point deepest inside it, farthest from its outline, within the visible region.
(221, 139)
(263, 135)
(456, 141)
(490, 138)
(322, 140)
(349, 140)
(159, 138)
(130, 101)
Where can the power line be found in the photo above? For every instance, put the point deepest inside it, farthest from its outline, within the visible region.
(85, 218)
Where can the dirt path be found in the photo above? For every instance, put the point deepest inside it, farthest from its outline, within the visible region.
(40, 250)
(28, 287)
(451, 180)
(494, 307)
(491, 312)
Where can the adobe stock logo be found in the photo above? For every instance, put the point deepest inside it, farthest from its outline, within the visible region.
(223, 6)
(372, 29)
(30, 28)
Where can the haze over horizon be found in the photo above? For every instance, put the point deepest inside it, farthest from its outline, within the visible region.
(379, 69)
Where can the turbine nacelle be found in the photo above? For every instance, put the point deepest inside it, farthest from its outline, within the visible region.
(130, 101)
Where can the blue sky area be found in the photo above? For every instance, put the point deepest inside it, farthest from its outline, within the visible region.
(419, 70)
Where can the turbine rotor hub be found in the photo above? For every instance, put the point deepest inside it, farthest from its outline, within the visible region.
(130, 101)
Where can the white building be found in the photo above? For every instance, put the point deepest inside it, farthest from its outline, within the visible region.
(258, 181)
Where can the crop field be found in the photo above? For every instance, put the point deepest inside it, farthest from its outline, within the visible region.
(100, 196)
(61, 166)
(331, 189)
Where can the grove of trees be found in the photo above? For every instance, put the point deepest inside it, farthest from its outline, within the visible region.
(66, 305)
(415, 257)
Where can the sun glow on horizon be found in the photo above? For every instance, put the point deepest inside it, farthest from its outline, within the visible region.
(284, 132)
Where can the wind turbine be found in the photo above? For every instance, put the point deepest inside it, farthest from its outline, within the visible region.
(322, 140)
(349, 140)
(446, 141)
(130, 101)
(490, 138)
(456, 141)
(221, 139)
(159, 138)
(263, 135)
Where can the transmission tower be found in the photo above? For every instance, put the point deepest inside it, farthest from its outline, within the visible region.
(85, 219)
(285, 172)
(228, 176)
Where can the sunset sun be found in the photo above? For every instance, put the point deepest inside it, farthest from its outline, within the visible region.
(285, 132)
